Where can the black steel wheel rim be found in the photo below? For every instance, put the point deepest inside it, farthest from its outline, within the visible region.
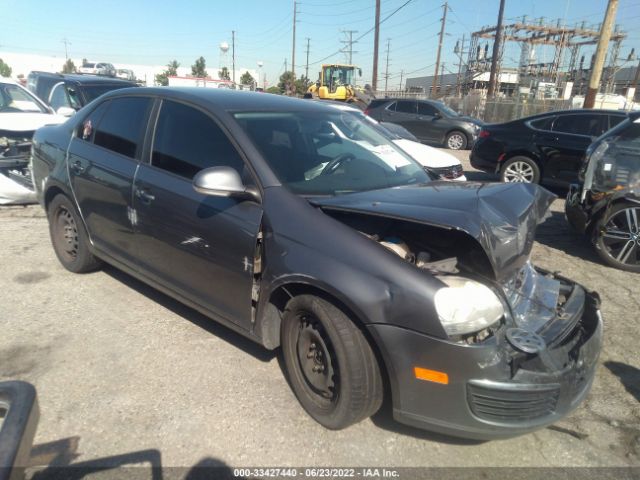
(66, 233)
(316, 359)
(621, 236)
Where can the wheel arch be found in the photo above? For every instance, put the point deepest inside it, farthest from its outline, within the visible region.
(269, 322)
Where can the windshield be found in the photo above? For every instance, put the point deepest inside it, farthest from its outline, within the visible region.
(336, 76)
(16, 99)
(329, 153)
(91, 92)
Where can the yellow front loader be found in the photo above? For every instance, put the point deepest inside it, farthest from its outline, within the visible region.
(337, 82)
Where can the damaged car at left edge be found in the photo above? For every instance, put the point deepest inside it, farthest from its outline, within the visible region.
(304, 228)
(21, 113)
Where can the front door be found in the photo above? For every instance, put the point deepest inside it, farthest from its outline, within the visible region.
(200, 246)
(102, 163)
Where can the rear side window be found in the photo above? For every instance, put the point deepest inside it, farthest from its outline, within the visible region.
(120, 128)
(615, 120)
(580, 124)
(542, 123)
(406, 106)
(85, 130)
(376, 103)
(187, 141)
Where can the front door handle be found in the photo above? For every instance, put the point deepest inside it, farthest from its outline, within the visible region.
(77, 167)
(144, 195)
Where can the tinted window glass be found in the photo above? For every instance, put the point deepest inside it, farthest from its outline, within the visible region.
(121, 126)
(187, 140)
(615, 120)
(85, 129)
(406, 106)
(543, 123)
(426, 109)
(580, 124)
(59, 97)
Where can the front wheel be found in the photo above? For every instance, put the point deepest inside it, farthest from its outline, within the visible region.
(330, 364)
(618, 237)
(520, 169)
(456, 141)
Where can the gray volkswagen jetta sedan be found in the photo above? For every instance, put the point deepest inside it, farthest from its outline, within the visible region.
(304, 228)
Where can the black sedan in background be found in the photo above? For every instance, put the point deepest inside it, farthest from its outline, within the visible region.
(303, 227)
(431, 122)
(546, 148)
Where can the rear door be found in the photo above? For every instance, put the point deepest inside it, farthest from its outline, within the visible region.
(199, 246)
(102, 161)
(565, 144)
(430, 123)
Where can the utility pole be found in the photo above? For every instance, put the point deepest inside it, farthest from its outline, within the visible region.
(386, 72)
(306, 68)
(493, 77)
(293, 50)
(401, 75)
(434, 85)
(601, 53)
(376, 38)
(233, 56)
(66, 42)
(350, 43)
(459, 50)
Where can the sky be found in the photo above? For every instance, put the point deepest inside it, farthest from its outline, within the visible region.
(154, 33)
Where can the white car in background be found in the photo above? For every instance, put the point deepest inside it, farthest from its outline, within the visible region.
(437, 161)
(98, 68)
(21, 114)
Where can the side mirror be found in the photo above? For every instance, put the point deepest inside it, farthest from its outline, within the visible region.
(222, 182)
(65, 111)
(437, 115)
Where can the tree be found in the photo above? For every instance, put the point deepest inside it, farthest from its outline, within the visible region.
(5, 70)
(224, 74)
(288, 85)
(247, 79)
(69, 67)
(198, 69)
(273, 89)
(171, 71)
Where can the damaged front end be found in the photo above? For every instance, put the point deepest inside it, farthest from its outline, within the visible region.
(522, 343)
(16, 185)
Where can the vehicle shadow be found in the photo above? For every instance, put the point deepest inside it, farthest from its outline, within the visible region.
(140, 464)
(191, 315)
(478, 176)
(629, 377)
(556, 233)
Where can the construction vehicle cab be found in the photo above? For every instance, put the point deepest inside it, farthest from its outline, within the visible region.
(335, 82)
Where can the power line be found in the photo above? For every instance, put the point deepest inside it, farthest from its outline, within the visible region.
(349, 42)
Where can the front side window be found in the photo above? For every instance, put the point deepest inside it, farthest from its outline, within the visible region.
(426, 109)
(579, 124)
(121, 127)
(406, 106)
(187, 140)
(329, 152)
(16, 99)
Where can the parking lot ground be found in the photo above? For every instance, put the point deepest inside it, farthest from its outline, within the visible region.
(126, 375)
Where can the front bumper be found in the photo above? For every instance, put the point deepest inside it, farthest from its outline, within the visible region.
(574, 210)
(493, 390)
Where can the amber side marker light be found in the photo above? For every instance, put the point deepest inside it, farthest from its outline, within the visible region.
(431, 375)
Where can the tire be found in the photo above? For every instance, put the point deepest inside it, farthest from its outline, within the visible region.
(618, 237)
(69, 238)
(338, 382)
(456, 140)
(520, 169)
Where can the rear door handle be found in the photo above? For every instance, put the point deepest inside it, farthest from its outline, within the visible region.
(77, 167)
(144, 195)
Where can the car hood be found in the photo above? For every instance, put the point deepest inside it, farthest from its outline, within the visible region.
(27, 121)
(473, 120)
(502, 217)
(427, 156)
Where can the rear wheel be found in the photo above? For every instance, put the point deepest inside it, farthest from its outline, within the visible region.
(618, 237)
(520, 169)
(69, 239)
(456, 141)
(331, 367)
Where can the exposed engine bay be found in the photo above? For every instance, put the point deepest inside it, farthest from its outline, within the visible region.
(16, 186)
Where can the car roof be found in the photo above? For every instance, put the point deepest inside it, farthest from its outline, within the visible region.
(79, 78)
(229, 99)
(573, 111)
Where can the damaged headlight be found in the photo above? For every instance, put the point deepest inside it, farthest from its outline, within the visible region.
(466, 306)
